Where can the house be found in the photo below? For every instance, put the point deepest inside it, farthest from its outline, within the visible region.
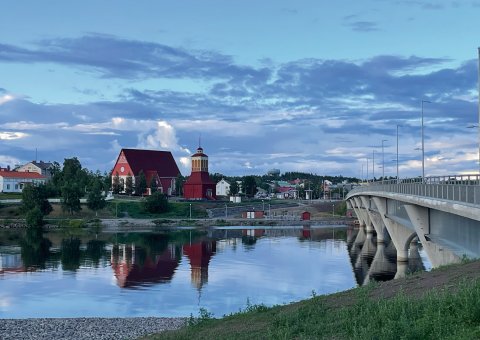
(14, 181)
(199, 185)
(42, 168)
(253, 214)
(223, 188)
(157, 165)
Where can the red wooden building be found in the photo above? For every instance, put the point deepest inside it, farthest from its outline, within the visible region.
(199, 185)
(159, 165)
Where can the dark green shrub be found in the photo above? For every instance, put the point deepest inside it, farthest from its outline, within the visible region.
(156, 203)
(34, 217)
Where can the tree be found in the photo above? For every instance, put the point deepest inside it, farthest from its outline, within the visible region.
(179, 181)
(234, 188)
(36, 196)
(34, 217)
(129, 184)
(153, 185)
(140, 183)
(107, 181)
(95, 199)
(71, 194)
(156, 203)
(250, 186)
(116, 184)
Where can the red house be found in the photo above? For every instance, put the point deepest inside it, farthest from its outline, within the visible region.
(199, 185)
(159, 165)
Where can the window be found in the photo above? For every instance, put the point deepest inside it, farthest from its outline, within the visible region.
(8, 186)
(16, 186)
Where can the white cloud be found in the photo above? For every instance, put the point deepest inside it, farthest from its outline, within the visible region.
(6, 98)
(7, 135)
(8, 160)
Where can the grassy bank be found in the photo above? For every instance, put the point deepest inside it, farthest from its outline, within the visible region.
(436, 305)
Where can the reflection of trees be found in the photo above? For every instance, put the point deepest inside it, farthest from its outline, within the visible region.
(249, 241)
(70, 253)
(35, 249)
(95, 251)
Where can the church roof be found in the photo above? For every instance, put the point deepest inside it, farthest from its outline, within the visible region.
(151, 160)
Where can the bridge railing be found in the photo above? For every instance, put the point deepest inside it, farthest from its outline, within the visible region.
(460, 188)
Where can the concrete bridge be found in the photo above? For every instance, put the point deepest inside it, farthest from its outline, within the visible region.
(442, 213)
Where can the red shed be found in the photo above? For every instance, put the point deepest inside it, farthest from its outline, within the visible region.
(306, 216)
(253, 214)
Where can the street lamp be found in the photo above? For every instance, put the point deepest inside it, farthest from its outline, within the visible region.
(190, 210)
(226, 211)
(398, 178)
(477, 126)
(423, 144)
(333, 210)
(383, 160)
(373, 166)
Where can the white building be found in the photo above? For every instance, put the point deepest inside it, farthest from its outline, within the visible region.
(13, 181)
(42, 168)
(223, 188)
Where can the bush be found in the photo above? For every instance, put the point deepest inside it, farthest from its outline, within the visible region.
(34, 217)
(156, 203)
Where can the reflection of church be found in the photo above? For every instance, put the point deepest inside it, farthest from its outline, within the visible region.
(199, 255)
(133, 267)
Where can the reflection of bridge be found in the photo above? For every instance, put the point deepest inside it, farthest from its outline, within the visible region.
(442, 213)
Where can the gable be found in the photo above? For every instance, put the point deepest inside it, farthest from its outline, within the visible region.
(161, 162)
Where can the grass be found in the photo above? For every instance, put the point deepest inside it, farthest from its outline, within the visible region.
(10, 195)
(177, 210)
(439, 314)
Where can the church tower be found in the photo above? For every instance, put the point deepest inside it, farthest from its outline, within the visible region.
(199, 185)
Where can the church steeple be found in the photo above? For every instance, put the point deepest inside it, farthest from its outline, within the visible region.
(199, 161)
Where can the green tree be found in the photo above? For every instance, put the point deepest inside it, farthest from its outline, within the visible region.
(250, 186)
(36, 196)
(179, 181)
(71, 194)
(156, 203)
(34, 217)
(129, 184)
(116, 184)
(234, 188)
(95, 199)
(140, 183)
(107, 181)
(153, 185)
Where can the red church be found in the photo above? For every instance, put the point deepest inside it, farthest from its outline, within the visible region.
(159, 165)
(199, 185)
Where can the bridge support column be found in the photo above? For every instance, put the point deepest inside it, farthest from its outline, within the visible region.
(401, 236)
(437, 254)
(376, 222)
(362, 209)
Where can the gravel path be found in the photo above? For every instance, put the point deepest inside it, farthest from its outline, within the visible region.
(86, 328)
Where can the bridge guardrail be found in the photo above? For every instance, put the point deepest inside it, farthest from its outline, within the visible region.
(459, 188)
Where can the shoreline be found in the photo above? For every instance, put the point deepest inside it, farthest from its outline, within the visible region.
(87, 328)
(121, 223)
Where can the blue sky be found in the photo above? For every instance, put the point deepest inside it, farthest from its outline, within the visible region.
(310, 86)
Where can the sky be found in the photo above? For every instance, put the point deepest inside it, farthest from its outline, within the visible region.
(310, 86)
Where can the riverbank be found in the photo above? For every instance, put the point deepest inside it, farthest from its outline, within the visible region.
(439, 304)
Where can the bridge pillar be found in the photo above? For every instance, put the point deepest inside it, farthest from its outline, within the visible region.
(376, 221)
(366, 203)
(437, 254)
(401, 236)
(362, 210)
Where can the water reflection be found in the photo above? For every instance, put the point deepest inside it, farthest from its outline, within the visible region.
(180, 271)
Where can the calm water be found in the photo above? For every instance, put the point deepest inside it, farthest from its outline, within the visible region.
(73, 274)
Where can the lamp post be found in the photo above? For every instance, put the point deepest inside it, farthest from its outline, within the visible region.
(479, 110)
(190, 210)
(383, 160)
(226, 211)
(398, 178)
(423, 144)
(373, 166)
(367, 170)
(333, 210)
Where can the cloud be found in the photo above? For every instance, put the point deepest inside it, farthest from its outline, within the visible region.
(114, 57)
(6, 135)
(6, 98)
(363, 26)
